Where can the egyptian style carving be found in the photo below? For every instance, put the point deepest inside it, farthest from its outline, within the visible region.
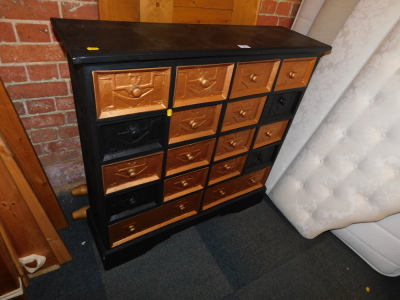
(234, 143)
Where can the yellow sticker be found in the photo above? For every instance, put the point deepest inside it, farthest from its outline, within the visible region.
(169, 112)
(92, 48)
(367, 289)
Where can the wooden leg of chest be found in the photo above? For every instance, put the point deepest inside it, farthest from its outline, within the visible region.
(80, 213)
(80, 190)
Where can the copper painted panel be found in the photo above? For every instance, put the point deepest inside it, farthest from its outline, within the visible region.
(154, 219)
(121, 175)
(235, 188)
(270, 133)
(243, 113)
(234, 143)
(184, 184)
(254, 78)
(126, 92)
(226, 169)
(202, 84)
(190, 156)
(295, 73)
(194, 123)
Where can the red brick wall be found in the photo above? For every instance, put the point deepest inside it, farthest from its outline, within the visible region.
(34, 70)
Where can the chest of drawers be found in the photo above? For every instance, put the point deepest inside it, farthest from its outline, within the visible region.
(178, 122)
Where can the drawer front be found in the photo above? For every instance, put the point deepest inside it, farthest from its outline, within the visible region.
(243, 113)
(154, 219)
(234, 188)
(260, 156)
(295, 73)
(281, 106)
(270, 133)
(132, 202)
(202, 84)
(194, 123)
(119, 176)
(130, 137)
(184, 184)
(226, 169)
(234, 143)
(254, 78)
(125, 92)
(188, 157)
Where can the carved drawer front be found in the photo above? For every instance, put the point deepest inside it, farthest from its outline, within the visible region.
(132, 202)
(295, 73)
(194, 123)
(235, 188)
(202, 84)
(234, 143)
(131, 91)
(227, 169)
(270, 133)
(154, 219)
(243, 113)
(121, 175)
(129, 137)
(281, 106)
(184, 184)
(260, 156)
(190, 156)
(254, 78)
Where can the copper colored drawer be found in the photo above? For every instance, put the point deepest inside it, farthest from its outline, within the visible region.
(184, 184)
(234, 143)
(243, 113)
(235, 188)
(295, 73)
(193, 123)
(121, 175)
(202, 84)
(190, 156)
(227, 169)
(126, 92)
(254, 78)
(270, 133)
(154, 219)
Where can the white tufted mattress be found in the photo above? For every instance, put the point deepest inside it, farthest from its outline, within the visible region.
(348, 172)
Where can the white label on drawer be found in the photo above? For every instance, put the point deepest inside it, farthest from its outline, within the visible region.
(244, 46)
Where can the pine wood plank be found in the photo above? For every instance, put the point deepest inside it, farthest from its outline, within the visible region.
(193, 15)
(220, 4)
(156, 11)
(245, 12)
(122, 10)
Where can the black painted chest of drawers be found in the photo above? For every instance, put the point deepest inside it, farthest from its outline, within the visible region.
(178, 122)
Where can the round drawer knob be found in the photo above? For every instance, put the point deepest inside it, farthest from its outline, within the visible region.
(282, 101)
(182, 207)
(132, 173)
(205, 83)
(222, 193)
(252, 180)
(136, 92)
(253, 77)
(268, 133)
(194, 124)
(292, 74)
(185, 183)
(228, 167)
(242, 113)
(233, 144)
(190, 157)
(131, 228)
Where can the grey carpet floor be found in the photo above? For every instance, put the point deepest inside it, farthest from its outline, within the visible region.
(253, 254)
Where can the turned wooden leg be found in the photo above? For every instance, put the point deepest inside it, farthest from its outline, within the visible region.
(80, 190)
(80, 213)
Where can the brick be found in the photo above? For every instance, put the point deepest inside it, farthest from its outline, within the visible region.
(31, 53)
(296, 1)
(73, 10)
(37, 90)
(33, 33)
(44, 135)
(295, 10)
(40, 106)
(269, 7)
(65, 103)
(20, 108)
(285, 22)
(78, 177)
(73, 155)
(13, 74)
(267, 20)
(71, 117)
(64, 169)
(43, 121)
(49, 160)
(38, 149)
(42, 72)
(28, 9)
(61, 145)
(64, 70)
(283, 8)
(68, 132)
(6, 32)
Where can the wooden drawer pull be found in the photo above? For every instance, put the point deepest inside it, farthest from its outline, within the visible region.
(190, 157)
(185, 183)
(228, 167)
(242, 113)
(233, 144)
(205, 83)
(136, 92)
(292, 74)
(222, 193)
(131, 228)
(252, 181)
(194, 124)
(268, 133)
(182, 207)
(253, 77)
(132, 173)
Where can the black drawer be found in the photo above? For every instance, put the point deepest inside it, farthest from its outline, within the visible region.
(132, 203)
(129, 137)
(281, 106)
(261, 157)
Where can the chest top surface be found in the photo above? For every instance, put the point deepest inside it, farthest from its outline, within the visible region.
(126, 41)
